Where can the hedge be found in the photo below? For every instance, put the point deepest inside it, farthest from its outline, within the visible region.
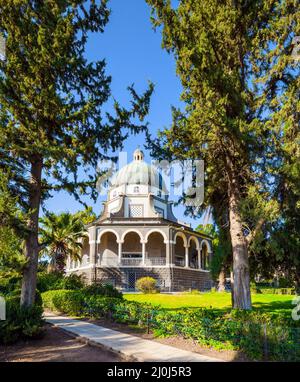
(276, 290)
(21, 323)
(65, 301)
(257, 334)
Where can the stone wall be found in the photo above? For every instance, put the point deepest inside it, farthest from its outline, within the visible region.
(125, 278)
(185, 279)
(173, 279)
(87, 274)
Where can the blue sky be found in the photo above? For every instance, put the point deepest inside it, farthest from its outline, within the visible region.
(133, 53)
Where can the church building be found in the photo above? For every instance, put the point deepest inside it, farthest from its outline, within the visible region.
(137, 235)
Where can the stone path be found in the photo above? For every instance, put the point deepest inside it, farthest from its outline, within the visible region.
(131, 347)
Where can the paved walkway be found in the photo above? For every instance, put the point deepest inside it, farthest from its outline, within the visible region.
(132, 347)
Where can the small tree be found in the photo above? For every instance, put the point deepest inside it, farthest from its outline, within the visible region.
(146, 285)
(61, 236)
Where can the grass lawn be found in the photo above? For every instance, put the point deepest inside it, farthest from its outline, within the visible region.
(263, 302)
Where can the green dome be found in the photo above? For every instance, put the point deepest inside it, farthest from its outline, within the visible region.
(138, 172)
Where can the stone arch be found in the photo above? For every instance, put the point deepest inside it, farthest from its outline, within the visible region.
(182, 235)
(193, 238)
(132, 247)
(155, 247)
(193, 252)
(205, 251)
(107, 248)
(101, 233)
(131, 230)
(85, 251)
(158, 231)
(204, 241)
(180, 249)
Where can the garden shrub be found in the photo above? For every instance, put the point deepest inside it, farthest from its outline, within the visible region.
(65, 301)
(285, 282)
(264, 288)
(247, 331)
(71, 282)
(277, 290)
(56, 280)
(98, 289)
(17, 295)
(20, 323)
(48, 281)
(254, 288)
(146, 285)
(9, 284)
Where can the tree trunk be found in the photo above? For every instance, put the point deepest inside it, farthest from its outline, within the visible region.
(241, 274)
(222, 280)
(31, 242)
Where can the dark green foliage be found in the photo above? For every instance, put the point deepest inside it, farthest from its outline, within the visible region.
(48, 281)
(56, 280)
(221, 245)
(106, 290)
(238, 330)
(264, 288)
(16, 294)
(21, 323)
(9, 284)
(54, 129)
(71, 282)
(241, 88)
(275, 290)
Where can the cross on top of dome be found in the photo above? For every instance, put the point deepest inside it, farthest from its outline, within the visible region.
(138, 154)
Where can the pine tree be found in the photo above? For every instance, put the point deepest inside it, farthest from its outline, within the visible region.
(51, 101)
(234, 61)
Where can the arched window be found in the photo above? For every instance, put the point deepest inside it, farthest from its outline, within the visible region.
(155, 249)
(179, 258)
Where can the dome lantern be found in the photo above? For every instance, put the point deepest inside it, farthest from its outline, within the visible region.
(138, 155)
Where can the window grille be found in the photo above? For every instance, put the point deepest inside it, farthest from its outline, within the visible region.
(136, 211)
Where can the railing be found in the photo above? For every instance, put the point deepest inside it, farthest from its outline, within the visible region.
(179, 262)
(155, 261)
(149, 261)
(132, 262)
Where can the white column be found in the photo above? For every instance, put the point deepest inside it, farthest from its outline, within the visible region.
(119, 252)
(186, 256)
(199, 258)
(167, 253)
(93, 246)
(143, 252)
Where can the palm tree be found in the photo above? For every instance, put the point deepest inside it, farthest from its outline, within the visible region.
(61, 236)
